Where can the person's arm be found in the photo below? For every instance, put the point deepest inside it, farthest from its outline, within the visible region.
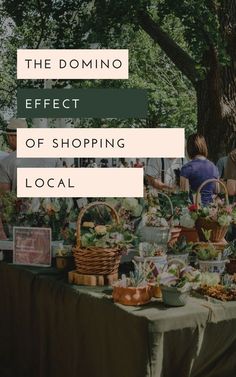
(184, 184)
(157, 183)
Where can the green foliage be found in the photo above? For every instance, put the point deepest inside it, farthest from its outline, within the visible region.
(207, 252)
(181, 247)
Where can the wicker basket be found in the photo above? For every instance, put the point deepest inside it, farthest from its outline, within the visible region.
(217, 232)
(96, 260)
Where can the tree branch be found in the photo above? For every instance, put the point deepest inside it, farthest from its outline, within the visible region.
(176, 54)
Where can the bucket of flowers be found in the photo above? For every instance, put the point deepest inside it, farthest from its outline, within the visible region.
(216, 217)
(183, 223)
(154, 226)
(187, 224)
(176, 282)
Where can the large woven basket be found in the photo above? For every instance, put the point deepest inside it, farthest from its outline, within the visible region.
(217, 232)
(96, 260)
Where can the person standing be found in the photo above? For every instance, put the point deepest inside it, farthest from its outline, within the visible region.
(198, 169)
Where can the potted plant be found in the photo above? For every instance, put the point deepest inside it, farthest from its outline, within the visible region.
(151, 253)
(183, 223)
(180, 250)
(187, 224)
(133, 290)
(231, 250)
(176, 283)
(154, 226)
(217, 216)
(64, 258)
(210, 259)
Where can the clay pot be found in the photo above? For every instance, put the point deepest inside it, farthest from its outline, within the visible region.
(63, 263)
(132, 295)
(190, 234)
(156, 290)
(174, 235)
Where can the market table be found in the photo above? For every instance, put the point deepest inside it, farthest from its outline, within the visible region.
(49, 328)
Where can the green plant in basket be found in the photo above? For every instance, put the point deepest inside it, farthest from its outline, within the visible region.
(181, 246)
(207, 252)
(105, 236)
(218, 212)
(137, 278)
(181, 277)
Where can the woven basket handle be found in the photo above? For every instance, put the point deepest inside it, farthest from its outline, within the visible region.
(209, 181)
(171, 205)
(177, 261)
(85, 209)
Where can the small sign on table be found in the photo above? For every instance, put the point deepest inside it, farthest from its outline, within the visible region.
(32, 246)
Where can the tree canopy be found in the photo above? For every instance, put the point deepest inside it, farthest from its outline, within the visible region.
(77, 24)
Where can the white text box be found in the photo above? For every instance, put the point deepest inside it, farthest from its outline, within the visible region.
(79, 182)
(91, 142)
(72, 64)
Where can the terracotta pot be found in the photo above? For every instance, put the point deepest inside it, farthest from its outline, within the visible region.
(190, 234)
(156, 290)
(132, 295)
(231, 266)
(174, 235)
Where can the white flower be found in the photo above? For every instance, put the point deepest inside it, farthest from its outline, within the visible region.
(186, 221)
(35, 205)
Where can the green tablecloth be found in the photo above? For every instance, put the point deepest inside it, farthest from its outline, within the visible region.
(49, 328)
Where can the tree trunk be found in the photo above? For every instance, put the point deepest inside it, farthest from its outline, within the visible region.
(217, 112)
(216, 94)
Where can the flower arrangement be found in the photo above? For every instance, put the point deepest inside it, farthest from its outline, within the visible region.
(56, 213)
(207, 252)
(182, 278)
(154, 218)
(181, 246)
(135, 289)
(180, 201)
(107, 236)
(129, 210)
(185, 219)
(217, 212)
(147, 249)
